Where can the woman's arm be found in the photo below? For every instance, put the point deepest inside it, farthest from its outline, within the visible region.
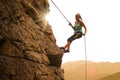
(84, 27)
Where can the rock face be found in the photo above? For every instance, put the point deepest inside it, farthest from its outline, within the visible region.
(28, 49)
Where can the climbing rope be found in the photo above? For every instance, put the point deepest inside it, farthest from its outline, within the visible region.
(60, 11)
(62, 14)
(85, 59)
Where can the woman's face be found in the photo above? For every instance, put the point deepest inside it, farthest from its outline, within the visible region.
(77, 17)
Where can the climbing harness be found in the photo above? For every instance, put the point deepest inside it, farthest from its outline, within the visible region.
(84, 40)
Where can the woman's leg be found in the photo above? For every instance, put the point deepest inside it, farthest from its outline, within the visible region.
(67, 46)
(72, 38)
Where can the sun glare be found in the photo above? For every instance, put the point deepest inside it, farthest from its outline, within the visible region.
(50, 18)
(47, 17)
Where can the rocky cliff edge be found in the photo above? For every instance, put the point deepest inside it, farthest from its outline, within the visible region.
(28, 49)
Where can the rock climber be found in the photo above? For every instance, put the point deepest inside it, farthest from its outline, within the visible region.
(78, 32)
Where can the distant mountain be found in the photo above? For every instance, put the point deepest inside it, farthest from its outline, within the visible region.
(115, 76)
(95, 71)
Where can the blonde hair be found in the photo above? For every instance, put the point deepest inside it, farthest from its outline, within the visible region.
(78, 14)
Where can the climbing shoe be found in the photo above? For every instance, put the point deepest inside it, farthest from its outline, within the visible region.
(66, 51)
(62, 48)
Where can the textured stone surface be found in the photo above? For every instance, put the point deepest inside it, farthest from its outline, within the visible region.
(28, 49)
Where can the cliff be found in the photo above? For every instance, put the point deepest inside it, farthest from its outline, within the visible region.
(28, 49)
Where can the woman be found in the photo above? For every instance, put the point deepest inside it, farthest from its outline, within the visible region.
(77, 34)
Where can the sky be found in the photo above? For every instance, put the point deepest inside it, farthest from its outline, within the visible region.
(101, 18)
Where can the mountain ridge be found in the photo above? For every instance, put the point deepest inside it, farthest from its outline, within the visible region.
(115, 76)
